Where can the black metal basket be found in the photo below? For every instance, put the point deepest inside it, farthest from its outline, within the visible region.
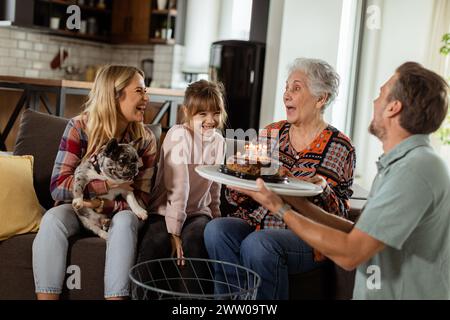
(164, 279)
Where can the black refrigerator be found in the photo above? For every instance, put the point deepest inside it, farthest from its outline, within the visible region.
(239, 65)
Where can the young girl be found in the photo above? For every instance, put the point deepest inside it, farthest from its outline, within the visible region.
(115, 108)
(183, 201)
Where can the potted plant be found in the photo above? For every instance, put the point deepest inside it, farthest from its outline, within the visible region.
(444, 132)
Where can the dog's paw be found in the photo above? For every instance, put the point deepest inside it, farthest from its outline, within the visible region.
(141, 213)
(77, 203)
(103, 234)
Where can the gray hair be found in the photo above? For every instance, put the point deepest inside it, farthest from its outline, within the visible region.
(322, 78)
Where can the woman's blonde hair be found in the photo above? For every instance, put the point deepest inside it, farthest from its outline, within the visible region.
(102, 107)
(203, 96)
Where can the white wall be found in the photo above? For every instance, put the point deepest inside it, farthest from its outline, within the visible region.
(297, 28)
(403, 36)
(202, 27)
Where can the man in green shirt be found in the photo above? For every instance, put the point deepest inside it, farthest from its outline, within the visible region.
(401, 243)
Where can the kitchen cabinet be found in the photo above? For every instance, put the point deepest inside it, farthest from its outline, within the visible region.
(142, 22)
(116, 21)
(95, 18)
(131, 21)
(168, 23)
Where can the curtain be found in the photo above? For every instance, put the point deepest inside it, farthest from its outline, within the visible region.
(440, 25)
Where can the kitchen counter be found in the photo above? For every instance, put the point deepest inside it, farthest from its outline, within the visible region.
(35, 91)
(79, 85)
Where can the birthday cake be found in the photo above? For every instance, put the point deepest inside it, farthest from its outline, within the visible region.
(251, 162)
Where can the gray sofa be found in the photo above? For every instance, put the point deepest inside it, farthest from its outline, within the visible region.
(39, 135)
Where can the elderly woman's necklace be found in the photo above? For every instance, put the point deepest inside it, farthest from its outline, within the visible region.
(299, 144)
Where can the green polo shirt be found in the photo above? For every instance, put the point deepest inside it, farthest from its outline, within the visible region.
(408, 209)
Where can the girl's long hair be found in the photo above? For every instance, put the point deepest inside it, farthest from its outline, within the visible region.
(102, 108)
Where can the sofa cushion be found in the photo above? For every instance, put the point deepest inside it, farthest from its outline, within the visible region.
(20, 210)
(16, 275)
(85, 252)
(39, 135)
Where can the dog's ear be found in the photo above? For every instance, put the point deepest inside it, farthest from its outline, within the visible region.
(111, 146)
(136, 143)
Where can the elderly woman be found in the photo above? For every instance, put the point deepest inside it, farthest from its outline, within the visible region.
(309, 149)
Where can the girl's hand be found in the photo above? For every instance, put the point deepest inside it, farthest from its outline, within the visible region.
(264, 196)
(177, 248)
(125, 186)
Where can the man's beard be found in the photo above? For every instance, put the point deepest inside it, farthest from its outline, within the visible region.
(378, 132)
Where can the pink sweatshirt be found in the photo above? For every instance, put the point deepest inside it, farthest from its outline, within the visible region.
(179, 191)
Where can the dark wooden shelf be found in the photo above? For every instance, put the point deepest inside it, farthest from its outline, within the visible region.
(83, 36)
(171, 12)
(82, 7)
(161, 41)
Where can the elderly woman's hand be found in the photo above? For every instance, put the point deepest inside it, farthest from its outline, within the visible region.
(264, 196)
(317, 180)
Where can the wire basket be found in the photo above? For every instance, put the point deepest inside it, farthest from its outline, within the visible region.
(164, 279)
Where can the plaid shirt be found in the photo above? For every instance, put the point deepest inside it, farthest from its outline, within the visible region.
(72, 149)
(330, 155)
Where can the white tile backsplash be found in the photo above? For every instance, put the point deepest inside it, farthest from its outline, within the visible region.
(16, 53)
(32, 55)
(27, 45)
(34, 36)
(32, 73)
(19, 35)
(25, 63)
(25, 52)
(4, 33)
(40, 47)
(19, 72)
(9, 43)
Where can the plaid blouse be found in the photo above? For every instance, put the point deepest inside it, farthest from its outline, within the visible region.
(331, 155)
(72, 149)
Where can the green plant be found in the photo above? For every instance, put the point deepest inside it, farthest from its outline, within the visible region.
(445, 50)
(444, 132)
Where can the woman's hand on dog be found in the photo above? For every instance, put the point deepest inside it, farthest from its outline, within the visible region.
(177, 249)
(95, 203)
(125, 186)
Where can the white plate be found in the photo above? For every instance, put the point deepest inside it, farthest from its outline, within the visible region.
(294, 187)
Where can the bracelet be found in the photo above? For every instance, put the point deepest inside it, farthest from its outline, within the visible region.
(99, 209)
(282, 211)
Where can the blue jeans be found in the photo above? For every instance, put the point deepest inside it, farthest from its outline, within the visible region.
(51, 244)
(272, 253)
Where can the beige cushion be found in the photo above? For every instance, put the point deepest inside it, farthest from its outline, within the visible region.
(20, 211)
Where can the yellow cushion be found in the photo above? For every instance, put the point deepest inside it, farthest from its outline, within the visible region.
(20, 211)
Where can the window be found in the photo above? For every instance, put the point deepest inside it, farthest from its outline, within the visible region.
(235, 19)
(342, 111)
(241, 19)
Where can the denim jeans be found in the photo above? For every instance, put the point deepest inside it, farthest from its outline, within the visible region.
(156, 245)
(51, 244)
(272, 253)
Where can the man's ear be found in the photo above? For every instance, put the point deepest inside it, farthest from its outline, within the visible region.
(394, 108)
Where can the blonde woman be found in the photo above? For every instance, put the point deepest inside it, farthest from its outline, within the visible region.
(115, 108)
